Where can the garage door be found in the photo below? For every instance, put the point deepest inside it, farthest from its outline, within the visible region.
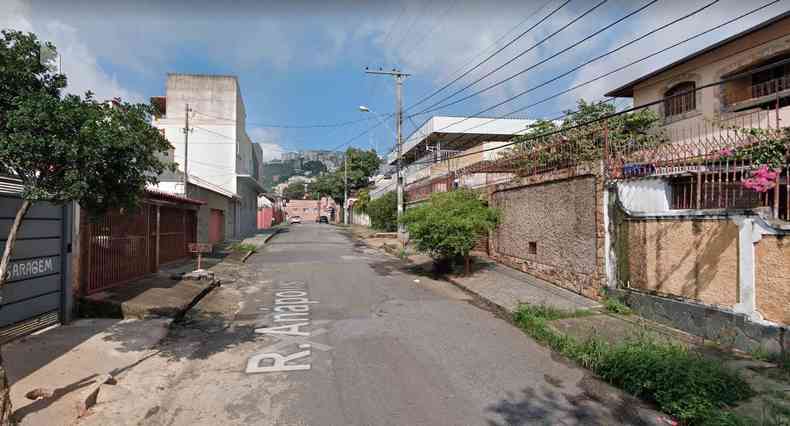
(33, 294)
(216, 226)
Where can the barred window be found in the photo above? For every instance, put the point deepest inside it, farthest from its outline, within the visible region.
(680, 98)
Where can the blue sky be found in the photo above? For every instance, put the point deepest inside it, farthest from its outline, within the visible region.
(303, 62)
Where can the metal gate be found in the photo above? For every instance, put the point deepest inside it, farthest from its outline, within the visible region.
(34, 296)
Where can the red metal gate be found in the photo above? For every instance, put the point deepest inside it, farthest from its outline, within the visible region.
(115, 248)
(122, 246)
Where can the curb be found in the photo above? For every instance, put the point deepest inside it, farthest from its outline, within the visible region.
(265, 241)
(498, 309)
(179, 316)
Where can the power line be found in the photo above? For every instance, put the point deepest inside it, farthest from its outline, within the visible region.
(583, 40)
(632, 109)
(430, 33)
(599, 77)
(610, 72)
(479, 64)
(286, 126)
(500, 38)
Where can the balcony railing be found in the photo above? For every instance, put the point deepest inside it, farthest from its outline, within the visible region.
(757, 94)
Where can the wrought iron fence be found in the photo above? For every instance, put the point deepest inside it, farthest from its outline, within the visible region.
(700, 161)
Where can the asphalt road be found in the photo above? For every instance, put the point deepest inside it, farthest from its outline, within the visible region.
(367, 343)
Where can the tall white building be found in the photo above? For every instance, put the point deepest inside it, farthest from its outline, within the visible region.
(220, 151)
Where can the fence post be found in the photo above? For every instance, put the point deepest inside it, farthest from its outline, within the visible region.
(156, 268)
(698, 197)
(605, 149)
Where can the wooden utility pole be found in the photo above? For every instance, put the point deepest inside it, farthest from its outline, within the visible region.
(186, 149)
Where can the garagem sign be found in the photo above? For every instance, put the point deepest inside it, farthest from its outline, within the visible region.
(30, 268)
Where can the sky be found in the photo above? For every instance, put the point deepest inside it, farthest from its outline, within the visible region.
(302, 63)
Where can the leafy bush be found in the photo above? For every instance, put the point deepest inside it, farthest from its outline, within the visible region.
(617, 306)
(383, 212)
(683, 384)
(449, 225)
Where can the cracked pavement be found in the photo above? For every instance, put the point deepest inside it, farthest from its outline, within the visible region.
(385, 347)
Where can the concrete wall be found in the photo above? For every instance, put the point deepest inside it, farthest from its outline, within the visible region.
(248, 207)
(212, 143)
(772, 278)
(213, 201)
(694, 259)
(552, 227)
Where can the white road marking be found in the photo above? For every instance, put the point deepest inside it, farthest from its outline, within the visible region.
(292, 306)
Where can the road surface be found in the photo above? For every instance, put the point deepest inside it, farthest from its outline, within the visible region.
(330, 332)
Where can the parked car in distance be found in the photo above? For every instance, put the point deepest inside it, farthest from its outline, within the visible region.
(295, 219)
(323, 219)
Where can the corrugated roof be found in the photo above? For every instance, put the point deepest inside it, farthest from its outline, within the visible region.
(627, 90)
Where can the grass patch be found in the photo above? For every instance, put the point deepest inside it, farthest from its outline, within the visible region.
(242, 247)
(682, 383)
(617, 306)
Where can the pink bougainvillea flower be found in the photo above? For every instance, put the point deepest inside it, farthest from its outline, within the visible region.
(762, 179)
(726, 152)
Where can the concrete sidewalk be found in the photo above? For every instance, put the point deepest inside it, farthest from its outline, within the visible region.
(508, 288)
(66, 365)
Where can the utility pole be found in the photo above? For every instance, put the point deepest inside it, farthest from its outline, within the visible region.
(345, 195)
(186, 149)
(399, 77)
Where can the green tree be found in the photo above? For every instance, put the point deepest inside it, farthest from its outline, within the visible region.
(361, 166)
(449, 225)
(67, 148)
(583, 140)
(328, 184)
(383, 212)
(314, 167)
(363, 200)
(294, 191)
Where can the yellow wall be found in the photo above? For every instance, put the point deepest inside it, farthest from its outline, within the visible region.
(772, 278)
(696, 259)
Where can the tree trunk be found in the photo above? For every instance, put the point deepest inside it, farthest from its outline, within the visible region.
(5, 389)
(467, 265)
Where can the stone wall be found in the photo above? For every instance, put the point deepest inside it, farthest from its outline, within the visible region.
(552, 227)
(691, 258)
(772, 277)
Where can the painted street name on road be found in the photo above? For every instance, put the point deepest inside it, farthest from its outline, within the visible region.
(292, 310)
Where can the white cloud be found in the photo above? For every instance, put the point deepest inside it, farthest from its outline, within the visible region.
(79, 63)
(268, 139)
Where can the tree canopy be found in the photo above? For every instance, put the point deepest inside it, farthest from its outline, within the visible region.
(67, 148)
(362, 165)
(294, 191)
(71, 148)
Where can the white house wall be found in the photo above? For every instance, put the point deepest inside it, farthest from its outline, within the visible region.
(644, 196)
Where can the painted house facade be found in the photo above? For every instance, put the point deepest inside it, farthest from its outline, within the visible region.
(219, 150)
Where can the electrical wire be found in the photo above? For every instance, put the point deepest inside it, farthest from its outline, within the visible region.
(496, 42)
(430, 33)
(625, 111)
(286, 126)
(555, 55)
(660, 51)
(489, 57)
